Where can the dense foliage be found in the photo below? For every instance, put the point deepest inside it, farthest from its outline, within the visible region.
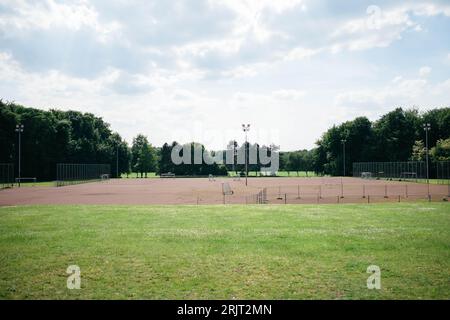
(166, 164)
(396, 136)
(51, 137)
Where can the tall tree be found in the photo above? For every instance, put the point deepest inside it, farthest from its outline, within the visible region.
(441, 152)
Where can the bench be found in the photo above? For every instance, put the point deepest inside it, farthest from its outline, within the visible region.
(167, 175)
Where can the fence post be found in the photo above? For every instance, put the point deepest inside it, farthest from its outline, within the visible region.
(285, 198)
(385, 191)
(364, 191)
(298, 192)
(368, 198)
(406, 190)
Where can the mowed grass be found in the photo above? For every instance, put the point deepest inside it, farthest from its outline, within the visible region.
(226, 252)
(135, 175)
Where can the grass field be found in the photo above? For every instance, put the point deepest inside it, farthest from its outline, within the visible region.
(226, 252)
(135, 175)
(35, 184)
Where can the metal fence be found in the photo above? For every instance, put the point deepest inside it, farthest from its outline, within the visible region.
(6, 175)
(75, 173)
(391, 170)
(410, 170)
(442, 172)
(350, 193)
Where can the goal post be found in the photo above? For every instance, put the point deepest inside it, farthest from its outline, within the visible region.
(6, 175)
(75, 173)
(390, 170)
(366, 175)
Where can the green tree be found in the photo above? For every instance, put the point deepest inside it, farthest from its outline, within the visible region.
(418, 151)
(396, 133)
(296, 161)
(143, 156)
(441, 152)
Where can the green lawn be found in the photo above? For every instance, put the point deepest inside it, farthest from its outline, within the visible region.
(296, 174)
(135, 175)
(226, 252)
(432, 181)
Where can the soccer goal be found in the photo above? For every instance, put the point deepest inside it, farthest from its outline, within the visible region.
(366, 175)
(226, 191)
(6, 175)
(408, 175)
(75, 173)
(211, 178)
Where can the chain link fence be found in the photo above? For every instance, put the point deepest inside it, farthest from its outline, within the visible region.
(408, 171)
(349, 193)
(73, 173)
(6, 175)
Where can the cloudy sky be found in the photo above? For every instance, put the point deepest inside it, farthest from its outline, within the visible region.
(196, 69)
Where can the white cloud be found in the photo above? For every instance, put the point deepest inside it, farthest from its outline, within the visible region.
(29, 15)
(284, 94)
(249, 14)
(424, 71)
(378, 29)
(300, 53)
(399, 92)
(430, 9)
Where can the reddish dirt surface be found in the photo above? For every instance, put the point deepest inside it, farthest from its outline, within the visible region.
(203, 191)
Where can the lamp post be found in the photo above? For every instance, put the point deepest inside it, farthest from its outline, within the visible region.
(117, 161)
(246, 128)
(343, 141)
(234, 157)
(19, 130)
(427, 127)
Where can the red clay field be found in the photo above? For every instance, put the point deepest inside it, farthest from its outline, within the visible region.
(203, 191)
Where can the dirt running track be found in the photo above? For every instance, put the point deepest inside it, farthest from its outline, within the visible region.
(203, 191)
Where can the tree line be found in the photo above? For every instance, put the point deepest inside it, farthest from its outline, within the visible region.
(56, 136)
(396, 136)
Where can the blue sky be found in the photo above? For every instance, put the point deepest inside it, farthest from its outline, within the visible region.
(195, 70)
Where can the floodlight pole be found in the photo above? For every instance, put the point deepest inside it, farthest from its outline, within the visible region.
(427, 127)
(246, 128)
(19, 130)
(234, 158)
(343, 152)
(117, 161)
